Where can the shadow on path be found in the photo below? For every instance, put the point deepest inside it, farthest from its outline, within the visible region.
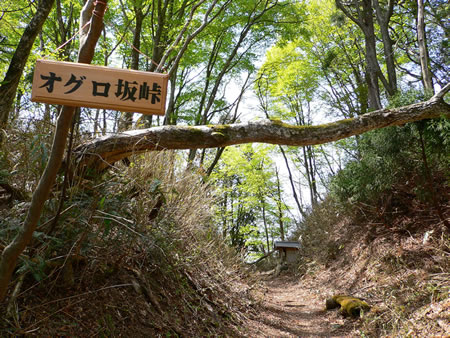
(290, 309)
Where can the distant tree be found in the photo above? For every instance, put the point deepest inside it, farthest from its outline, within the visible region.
(251, 209)
(8, 86)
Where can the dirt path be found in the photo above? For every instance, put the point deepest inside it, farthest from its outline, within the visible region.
(296, 309)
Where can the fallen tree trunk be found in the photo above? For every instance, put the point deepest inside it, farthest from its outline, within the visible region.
(100, 153)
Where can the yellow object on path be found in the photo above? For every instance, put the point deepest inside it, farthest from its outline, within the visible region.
(350, 306)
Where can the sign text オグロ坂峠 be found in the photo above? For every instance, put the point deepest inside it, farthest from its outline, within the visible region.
(83, 85)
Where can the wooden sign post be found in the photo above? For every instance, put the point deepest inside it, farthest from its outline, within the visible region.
(83, 85)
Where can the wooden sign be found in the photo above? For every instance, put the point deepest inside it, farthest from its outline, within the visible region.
(83, 85)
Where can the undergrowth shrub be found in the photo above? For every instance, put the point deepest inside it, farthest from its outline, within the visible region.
(170, 206)
(392, 158)
(24, 154)
(150, 224)
(392, 161)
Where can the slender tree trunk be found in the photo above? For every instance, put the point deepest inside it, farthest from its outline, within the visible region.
(105, 125)
(170, 118)
(423, 50)
(219, 153)
(313, 172)
(127, 118)
(191, 157)
(159, 45)
(391, 88)
(224, 216)
(96, 118)
(330, 167)
(383, 17)
(17, 106)
(291, 181)
(12, 252)
(63, 30)
(280, 206)
(308, 178)
(11, 81)
(159, 38)
(266, 230)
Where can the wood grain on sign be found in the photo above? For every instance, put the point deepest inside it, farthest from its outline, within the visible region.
(83, 85)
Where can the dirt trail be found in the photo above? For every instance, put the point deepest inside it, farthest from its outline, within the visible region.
(296, 309)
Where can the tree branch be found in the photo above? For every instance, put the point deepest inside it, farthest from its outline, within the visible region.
(100, 153)
(349, 15)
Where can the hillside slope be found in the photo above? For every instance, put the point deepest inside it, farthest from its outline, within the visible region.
(398, 261)
(134, 253)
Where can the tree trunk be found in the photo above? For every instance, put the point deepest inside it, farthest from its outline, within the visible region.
(280, 207)
(159, 43)
(215, 161)
(291, 180)
(63, 31)
(373, 72)
(96, 118)
(423, 50)
(313, 172)
(266, 230)
(308, 176)
(383, 18)
(99, 153)
(127, 118)
(11, 81)
(372, 67)
(11, 253)
(170, 117)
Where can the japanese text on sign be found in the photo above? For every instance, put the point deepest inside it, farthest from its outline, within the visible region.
(99, 87)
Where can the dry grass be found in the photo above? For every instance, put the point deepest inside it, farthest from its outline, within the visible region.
(135, 253)
(399, 263)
